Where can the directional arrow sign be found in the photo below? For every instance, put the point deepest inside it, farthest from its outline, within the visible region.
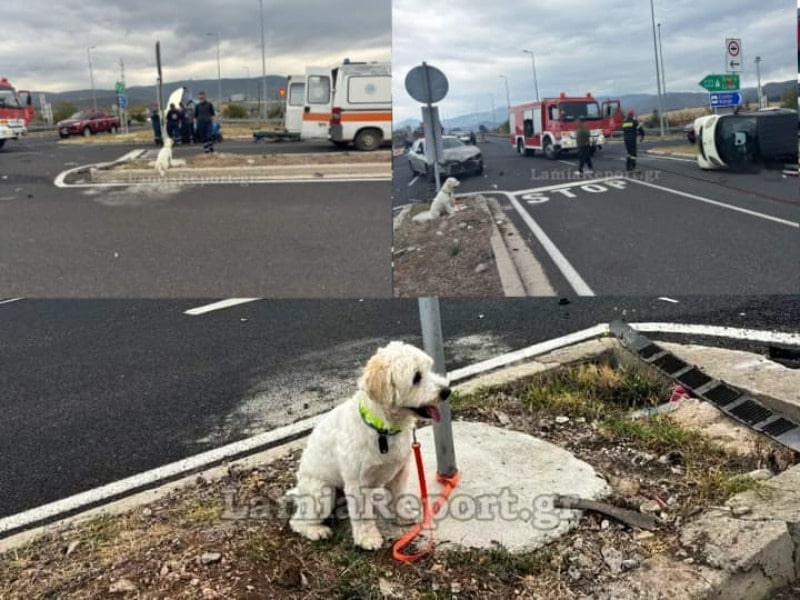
(725, 99)
(734, 65)
(721, 83)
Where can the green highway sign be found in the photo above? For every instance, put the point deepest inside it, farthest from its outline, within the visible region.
(720, 83)
(119, 87)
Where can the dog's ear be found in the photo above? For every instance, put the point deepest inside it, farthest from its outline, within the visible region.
(377, 380)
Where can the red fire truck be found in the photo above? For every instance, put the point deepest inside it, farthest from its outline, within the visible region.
(549, 125)
(16, 111)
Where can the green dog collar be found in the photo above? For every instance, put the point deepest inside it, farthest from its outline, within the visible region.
(375, 422)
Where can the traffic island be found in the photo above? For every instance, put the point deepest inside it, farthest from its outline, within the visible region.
(222, 167)
(224, 534)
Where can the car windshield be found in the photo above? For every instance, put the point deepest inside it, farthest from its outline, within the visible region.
(736, 139)
(80, 115)
(8, 99)
(570, 111)
(451, 143)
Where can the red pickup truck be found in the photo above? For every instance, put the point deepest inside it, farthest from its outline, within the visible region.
(88, 122)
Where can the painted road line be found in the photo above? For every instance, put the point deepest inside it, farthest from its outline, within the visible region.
(752, 213)
(10, 300)
(735, 333)
(665, 299)
(200, 310)
(413, 181)
(529, 352)
(567, 270)
(148, 479)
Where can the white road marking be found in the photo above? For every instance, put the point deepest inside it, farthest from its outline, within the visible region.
(567, 270)
(752, 213)
(218, 305)
(567, 184)
(413, 181)
(665, 299)
(8, 198)
(10, 300)
(753, 335)
(690, 160)
(566, 162)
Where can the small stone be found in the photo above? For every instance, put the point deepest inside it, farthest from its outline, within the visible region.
(455, 588)
(574, 573)
(387, 589)
(210, 594)
(502, 418)
(147, 512)
(210, 558)
(643, 535)
(604, 524)
(629, 563)
(481, 268)
(122, 586)
(73, 545)
(578, 543)
(689, 561)
(613, 559)
(740, 511)
(650, 506)
(562, 420)
(194, 582)
(760, 474)
(462, 225)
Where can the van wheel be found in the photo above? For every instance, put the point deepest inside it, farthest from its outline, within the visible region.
(87, 132)
(368, 139)
(550, 152)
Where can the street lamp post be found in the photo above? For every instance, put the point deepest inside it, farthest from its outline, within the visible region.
(658, 72)
(758, 74)
(219, 75)
(508, 98)
(91, 76)
(263, 63)
(494, 114)
(533, 66)
(663, 73)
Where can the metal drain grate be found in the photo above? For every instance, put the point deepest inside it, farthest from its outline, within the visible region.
(751, 412)
(649, 351)
(669, 363)
(778, 427)
(694, 378)
(722, 395)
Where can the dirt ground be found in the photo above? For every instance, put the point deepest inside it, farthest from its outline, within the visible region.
(188, 546)
(228, 159)
(451, 256)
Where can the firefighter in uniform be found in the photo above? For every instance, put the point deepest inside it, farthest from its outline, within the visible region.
(631, 129)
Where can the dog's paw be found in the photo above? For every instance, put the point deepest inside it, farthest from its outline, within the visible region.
(371, 539)
(312, 532)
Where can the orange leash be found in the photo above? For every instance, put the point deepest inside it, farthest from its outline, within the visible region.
(448, 482)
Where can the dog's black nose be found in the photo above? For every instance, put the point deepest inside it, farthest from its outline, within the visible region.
(445, 393)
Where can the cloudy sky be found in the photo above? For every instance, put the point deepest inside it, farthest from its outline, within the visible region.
(46, 46)
(604, 47)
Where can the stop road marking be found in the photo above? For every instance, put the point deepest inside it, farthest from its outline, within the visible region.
(568, 190)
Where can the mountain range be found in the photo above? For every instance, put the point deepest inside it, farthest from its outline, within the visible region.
(641, 104)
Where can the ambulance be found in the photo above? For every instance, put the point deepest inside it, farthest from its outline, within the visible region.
(549, 125)
(16, 112)
(350, 103)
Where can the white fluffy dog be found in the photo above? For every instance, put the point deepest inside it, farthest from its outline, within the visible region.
(363, 446)
(164, 159)
(443, 203)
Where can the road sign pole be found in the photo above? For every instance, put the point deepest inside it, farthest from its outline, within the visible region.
(434, 124)
(433, 343)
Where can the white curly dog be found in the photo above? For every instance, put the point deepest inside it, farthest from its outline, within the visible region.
(363, 446)
(443, 203)
(164, 158)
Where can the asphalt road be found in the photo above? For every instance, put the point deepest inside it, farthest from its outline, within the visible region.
(672, 229)
(271, 240)
(92, 391)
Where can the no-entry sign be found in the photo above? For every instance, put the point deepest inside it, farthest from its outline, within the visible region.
(733, 55)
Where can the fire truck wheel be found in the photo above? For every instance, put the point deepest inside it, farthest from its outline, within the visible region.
(87, 132)
(368, 139)
(549, 151)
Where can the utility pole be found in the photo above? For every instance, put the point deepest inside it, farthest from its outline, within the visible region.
(508, 99)
(123, 112)
(658, 72)
(494, 115)
(533, 66)
(758, 74)
(263, 65)
(91, 76)
(661, 54)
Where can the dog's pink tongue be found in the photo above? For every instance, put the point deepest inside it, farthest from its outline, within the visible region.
(435, 414)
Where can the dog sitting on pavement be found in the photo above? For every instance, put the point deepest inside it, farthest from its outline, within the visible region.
(443, 204)
(164, 158)
(364, 445)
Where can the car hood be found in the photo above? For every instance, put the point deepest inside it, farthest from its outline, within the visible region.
(464, 153)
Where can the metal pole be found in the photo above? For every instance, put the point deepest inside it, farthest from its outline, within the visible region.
(91, 76)
(494, 114)
(508, 100)
(533, 66)
(123, 112)
(431, 143)
(758, 74)
(432, 342)
(661, 54)
(247, 70)
(263, 63)
(658, 73)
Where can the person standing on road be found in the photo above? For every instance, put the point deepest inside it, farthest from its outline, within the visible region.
(631, 129)
(204, 116)
(584, 141)
(173, 123)
(155, 121)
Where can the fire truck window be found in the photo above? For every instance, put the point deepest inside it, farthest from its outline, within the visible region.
(553, 112)
(528, 127)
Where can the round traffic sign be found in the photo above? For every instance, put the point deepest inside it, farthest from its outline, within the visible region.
(426, 84)
(733, 47)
